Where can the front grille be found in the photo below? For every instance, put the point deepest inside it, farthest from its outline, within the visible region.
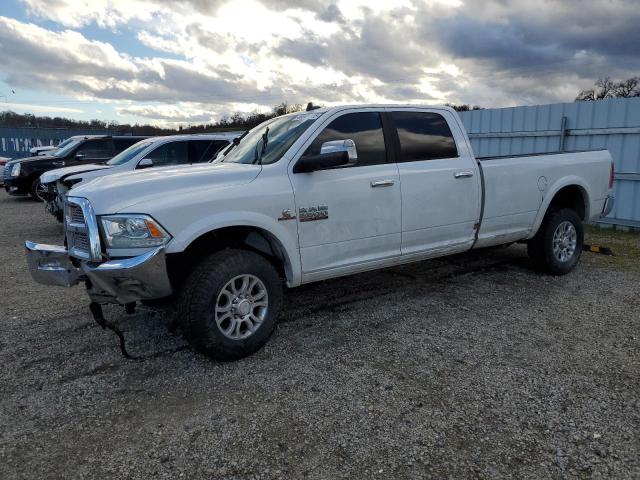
(75, 214)
(81, 229)
(7, 171)
(81, 241)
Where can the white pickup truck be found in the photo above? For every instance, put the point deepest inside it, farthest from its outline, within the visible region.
(311, 196)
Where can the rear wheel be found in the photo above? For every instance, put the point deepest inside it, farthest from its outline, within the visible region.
(557, 246)
(229, 304)
(37, 191)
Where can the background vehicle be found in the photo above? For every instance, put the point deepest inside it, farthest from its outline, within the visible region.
(37, 151)
(153, 152)
(22, 176)
(312, 196)
(3, 162)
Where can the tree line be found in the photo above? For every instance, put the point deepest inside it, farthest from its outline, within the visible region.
(603, 88)
(237, 121)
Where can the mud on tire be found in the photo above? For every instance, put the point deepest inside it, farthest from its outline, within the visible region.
(229, 304)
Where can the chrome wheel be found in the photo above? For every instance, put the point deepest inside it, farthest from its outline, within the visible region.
(40, 191)
(241, 307)
(565, 240)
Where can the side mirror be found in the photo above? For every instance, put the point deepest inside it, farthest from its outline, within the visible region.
(145, 163)
(323, 161)
(347, 145)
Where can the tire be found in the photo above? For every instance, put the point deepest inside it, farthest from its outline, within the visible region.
(35, 191)
(221, 324)
(564, 229)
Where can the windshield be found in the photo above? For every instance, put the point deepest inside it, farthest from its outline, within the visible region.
(126, 155)
(283, 131)
(64, 151)
(64, 143)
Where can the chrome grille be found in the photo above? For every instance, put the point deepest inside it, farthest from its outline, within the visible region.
(7, 171)
(81, 229)
(75, 214)
(81, 241)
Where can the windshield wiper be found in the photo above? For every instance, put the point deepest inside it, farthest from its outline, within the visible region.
(265, 140)
(235, 142)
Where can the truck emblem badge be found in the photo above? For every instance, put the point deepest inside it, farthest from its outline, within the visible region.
(311, 214)
(286, 215)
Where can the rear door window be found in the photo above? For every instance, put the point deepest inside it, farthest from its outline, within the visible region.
(98, 149)
(423, 136)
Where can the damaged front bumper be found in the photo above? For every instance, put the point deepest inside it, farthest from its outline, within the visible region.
(122, 281)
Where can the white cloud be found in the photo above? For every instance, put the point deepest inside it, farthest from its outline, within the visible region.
(216, 56)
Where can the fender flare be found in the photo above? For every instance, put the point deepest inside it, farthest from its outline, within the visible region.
(276, 231)
(550, 194)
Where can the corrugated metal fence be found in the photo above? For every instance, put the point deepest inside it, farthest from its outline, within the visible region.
(16, 142)
(611, 124)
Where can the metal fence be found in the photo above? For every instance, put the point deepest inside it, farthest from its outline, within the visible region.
(16, 142)
(612, 124)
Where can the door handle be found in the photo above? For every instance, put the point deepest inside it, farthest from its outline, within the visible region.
(58, 164)
(381, 183)
(466, 174)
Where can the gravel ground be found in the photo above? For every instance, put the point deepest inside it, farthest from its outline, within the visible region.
(468, 367)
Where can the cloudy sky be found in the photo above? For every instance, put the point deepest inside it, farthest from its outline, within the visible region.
(193, 61)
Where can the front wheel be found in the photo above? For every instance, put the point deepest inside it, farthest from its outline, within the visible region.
(229, 304)
(557, 246)
(37, 190)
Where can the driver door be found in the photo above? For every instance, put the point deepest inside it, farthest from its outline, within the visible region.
(349, 217)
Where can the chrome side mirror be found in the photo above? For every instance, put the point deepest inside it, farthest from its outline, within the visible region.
(145, 163)
(347, 145)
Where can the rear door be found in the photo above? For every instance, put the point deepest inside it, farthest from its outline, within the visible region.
(348, 217)
(98, 150)
(441, 191)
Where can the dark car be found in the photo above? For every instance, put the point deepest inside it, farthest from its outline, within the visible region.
(22, 176)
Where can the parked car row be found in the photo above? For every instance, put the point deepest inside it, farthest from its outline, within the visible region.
(148, 153)
(83, 158)
(303, 197)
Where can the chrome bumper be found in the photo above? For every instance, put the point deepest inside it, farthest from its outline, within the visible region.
(127, 280)
(608, 205)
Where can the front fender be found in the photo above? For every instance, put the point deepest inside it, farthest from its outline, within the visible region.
(278, 230)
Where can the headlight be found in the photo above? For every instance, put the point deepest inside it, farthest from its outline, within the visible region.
(15, 170)
(133, 231)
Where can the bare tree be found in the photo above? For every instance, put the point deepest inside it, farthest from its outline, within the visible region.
(628, 88)
(607, 88)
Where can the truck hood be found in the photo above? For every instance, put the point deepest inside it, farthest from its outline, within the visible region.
(58, 173)
(113, 193)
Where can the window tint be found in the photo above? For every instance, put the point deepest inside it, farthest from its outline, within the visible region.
(423, 136)
(205, 150)
(172, 153)
(121, 144)
(93, 149)
(216, 146)
(364, 128)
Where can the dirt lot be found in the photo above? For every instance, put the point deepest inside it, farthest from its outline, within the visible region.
(470, 367)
